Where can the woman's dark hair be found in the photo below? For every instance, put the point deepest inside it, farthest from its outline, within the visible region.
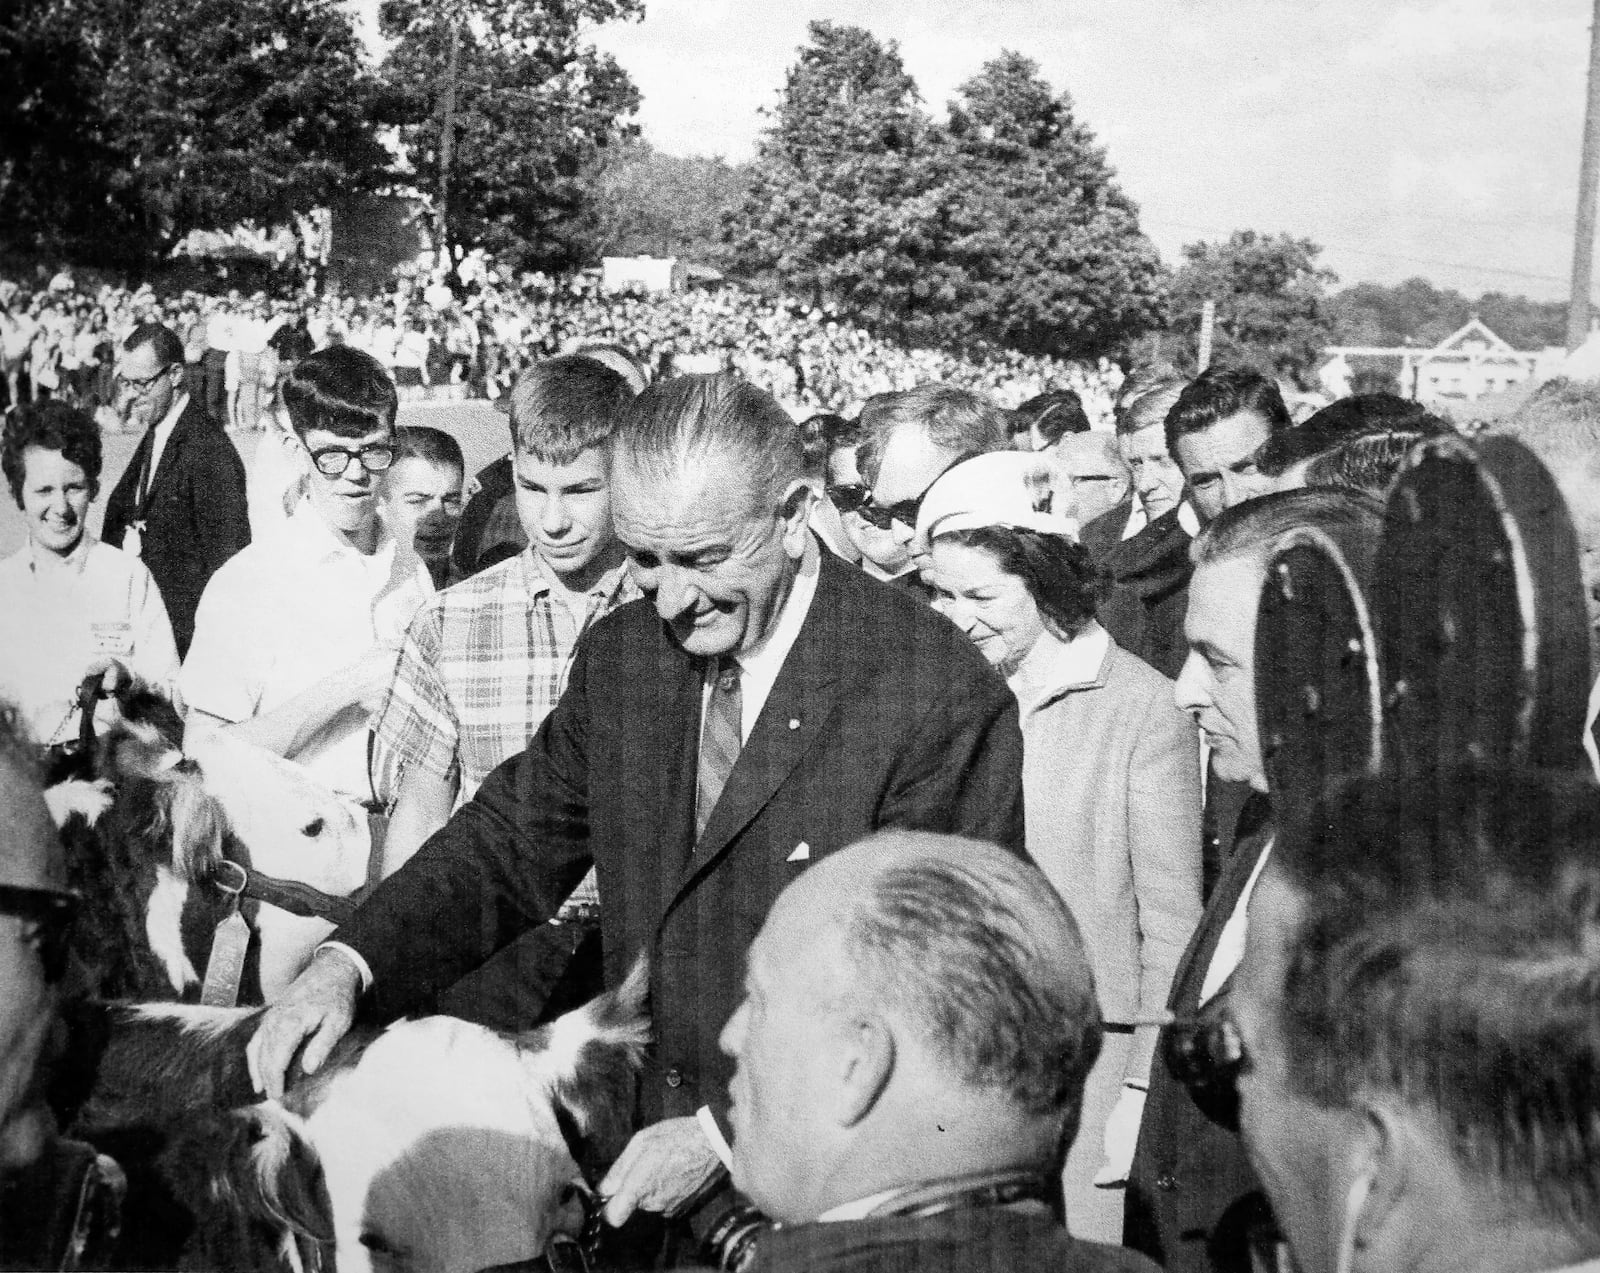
(50, 426)
(1058, 572)
(435, 446)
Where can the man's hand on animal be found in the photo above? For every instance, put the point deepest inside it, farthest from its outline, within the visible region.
(665, 1167)
(316, 1009)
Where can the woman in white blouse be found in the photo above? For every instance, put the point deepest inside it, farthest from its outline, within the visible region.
(70, 606)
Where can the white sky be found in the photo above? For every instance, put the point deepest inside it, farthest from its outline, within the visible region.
(1432, 137)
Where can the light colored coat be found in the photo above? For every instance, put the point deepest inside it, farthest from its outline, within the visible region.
(1111, 784)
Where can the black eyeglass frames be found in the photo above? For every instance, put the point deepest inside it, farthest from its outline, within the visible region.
(50, 912)
(334, 461)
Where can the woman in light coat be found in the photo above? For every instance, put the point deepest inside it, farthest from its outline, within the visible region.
(1111, 778)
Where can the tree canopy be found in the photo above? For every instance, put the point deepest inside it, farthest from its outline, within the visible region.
(648, 203)
(1418, 313)
(535, 106)
(1003, 227)
(132, 122)
(1270, 293)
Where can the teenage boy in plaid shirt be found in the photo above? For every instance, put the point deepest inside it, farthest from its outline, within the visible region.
(485, 660)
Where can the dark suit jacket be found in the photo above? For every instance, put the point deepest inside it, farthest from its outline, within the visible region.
(489, 530)
(1190, 1179)
(1154, 567)
(195, 513)
(979, 1240)
(1105, 532)
(883, 714)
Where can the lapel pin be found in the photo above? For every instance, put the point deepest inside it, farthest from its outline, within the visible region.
(802, 853)
(794, 723)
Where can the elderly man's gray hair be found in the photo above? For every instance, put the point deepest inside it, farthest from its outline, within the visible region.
(987, 963)
(679, 424)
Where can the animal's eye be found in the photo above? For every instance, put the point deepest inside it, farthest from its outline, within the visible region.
(313, 829)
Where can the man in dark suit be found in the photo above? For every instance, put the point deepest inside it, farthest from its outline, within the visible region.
(1191, 1192)
(180, 505)
(880, 1128)
(764, 706)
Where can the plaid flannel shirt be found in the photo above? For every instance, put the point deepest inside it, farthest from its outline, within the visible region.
(483, 664)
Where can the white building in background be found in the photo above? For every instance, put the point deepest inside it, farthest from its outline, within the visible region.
(1463, 367)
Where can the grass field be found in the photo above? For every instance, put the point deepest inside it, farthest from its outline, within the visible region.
(482, 431)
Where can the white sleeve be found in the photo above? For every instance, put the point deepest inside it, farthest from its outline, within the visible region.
(155, 653)
(221, 675)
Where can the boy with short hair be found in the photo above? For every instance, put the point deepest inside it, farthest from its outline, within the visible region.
(485, 660)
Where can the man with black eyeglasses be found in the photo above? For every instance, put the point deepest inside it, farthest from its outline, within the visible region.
(296, 637)
(180, 504)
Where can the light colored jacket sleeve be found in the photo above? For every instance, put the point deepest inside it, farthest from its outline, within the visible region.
(1164, 835)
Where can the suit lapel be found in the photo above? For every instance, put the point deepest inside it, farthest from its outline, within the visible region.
(1191, 971)
(677, 728)
(170, 454)
(792, 720)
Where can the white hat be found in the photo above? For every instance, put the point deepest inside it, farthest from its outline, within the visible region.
(1002, 488)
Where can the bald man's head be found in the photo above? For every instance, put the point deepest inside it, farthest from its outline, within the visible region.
(948, 972)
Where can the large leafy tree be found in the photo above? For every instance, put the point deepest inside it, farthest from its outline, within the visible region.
(151, 118)
(844, 200)
(1046, 246)
(56, 167)
(1271, 296)
(534, 106)
(1418, 313)
(648, 203)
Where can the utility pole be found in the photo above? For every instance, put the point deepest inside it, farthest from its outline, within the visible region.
(447, 143)
(1588, 185)
(1208, 323)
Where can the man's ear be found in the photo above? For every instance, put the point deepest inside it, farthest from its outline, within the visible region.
(794, 511)
(866, 1063)
(1385, 1154)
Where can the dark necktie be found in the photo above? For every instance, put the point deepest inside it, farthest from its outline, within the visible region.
(719, 740)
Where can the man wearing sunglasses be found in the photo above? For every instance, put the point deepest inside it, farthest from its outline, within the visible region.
(914, 436)
(180, 504)
(1189, 1181)
(296, 637)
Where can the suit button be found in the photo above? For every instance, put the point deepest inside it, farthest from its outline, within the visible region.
(674, 1077)
(1166, 1181)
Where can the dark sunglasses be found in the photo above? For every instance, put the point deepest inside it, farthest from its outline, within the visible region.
(1206, 1053)
(51, 913)
(905, 511)
(849, 498)
(333, 461)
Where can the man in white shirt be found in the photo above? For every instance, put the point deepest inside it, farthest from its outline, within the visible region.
(296, 636)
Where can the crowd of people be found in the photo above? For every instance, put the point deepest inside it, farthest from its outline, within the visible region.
(916, 742)
(62, 341)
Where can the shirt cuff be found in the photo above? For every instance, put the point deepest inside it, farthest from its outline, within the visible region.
(708, 1125)
(360, 964)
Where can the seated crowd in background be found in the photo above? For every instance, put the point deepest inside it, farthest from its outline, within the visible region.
(402, 648)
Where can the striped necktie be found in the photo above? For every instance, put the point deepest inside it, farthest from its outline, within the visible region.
(719, 739)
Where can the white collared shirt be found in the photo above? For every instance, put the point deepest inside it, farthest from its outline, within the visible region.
(1055, 666)
(1229, 953)
(287, 611)
(58, 616)
(759, 667)
(158, 444)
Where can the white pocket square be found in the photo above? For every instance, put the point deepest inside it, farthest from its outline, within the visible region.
(802, 853)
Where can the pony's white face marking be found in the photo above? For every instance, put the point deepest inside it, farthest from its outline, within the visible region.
(441, 1151)
(163, 926)
(90, 799)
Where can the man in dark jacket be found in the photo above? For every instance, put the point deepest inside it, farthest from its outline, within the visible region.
(763, 707)
(918, 1021)
(180, 505)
